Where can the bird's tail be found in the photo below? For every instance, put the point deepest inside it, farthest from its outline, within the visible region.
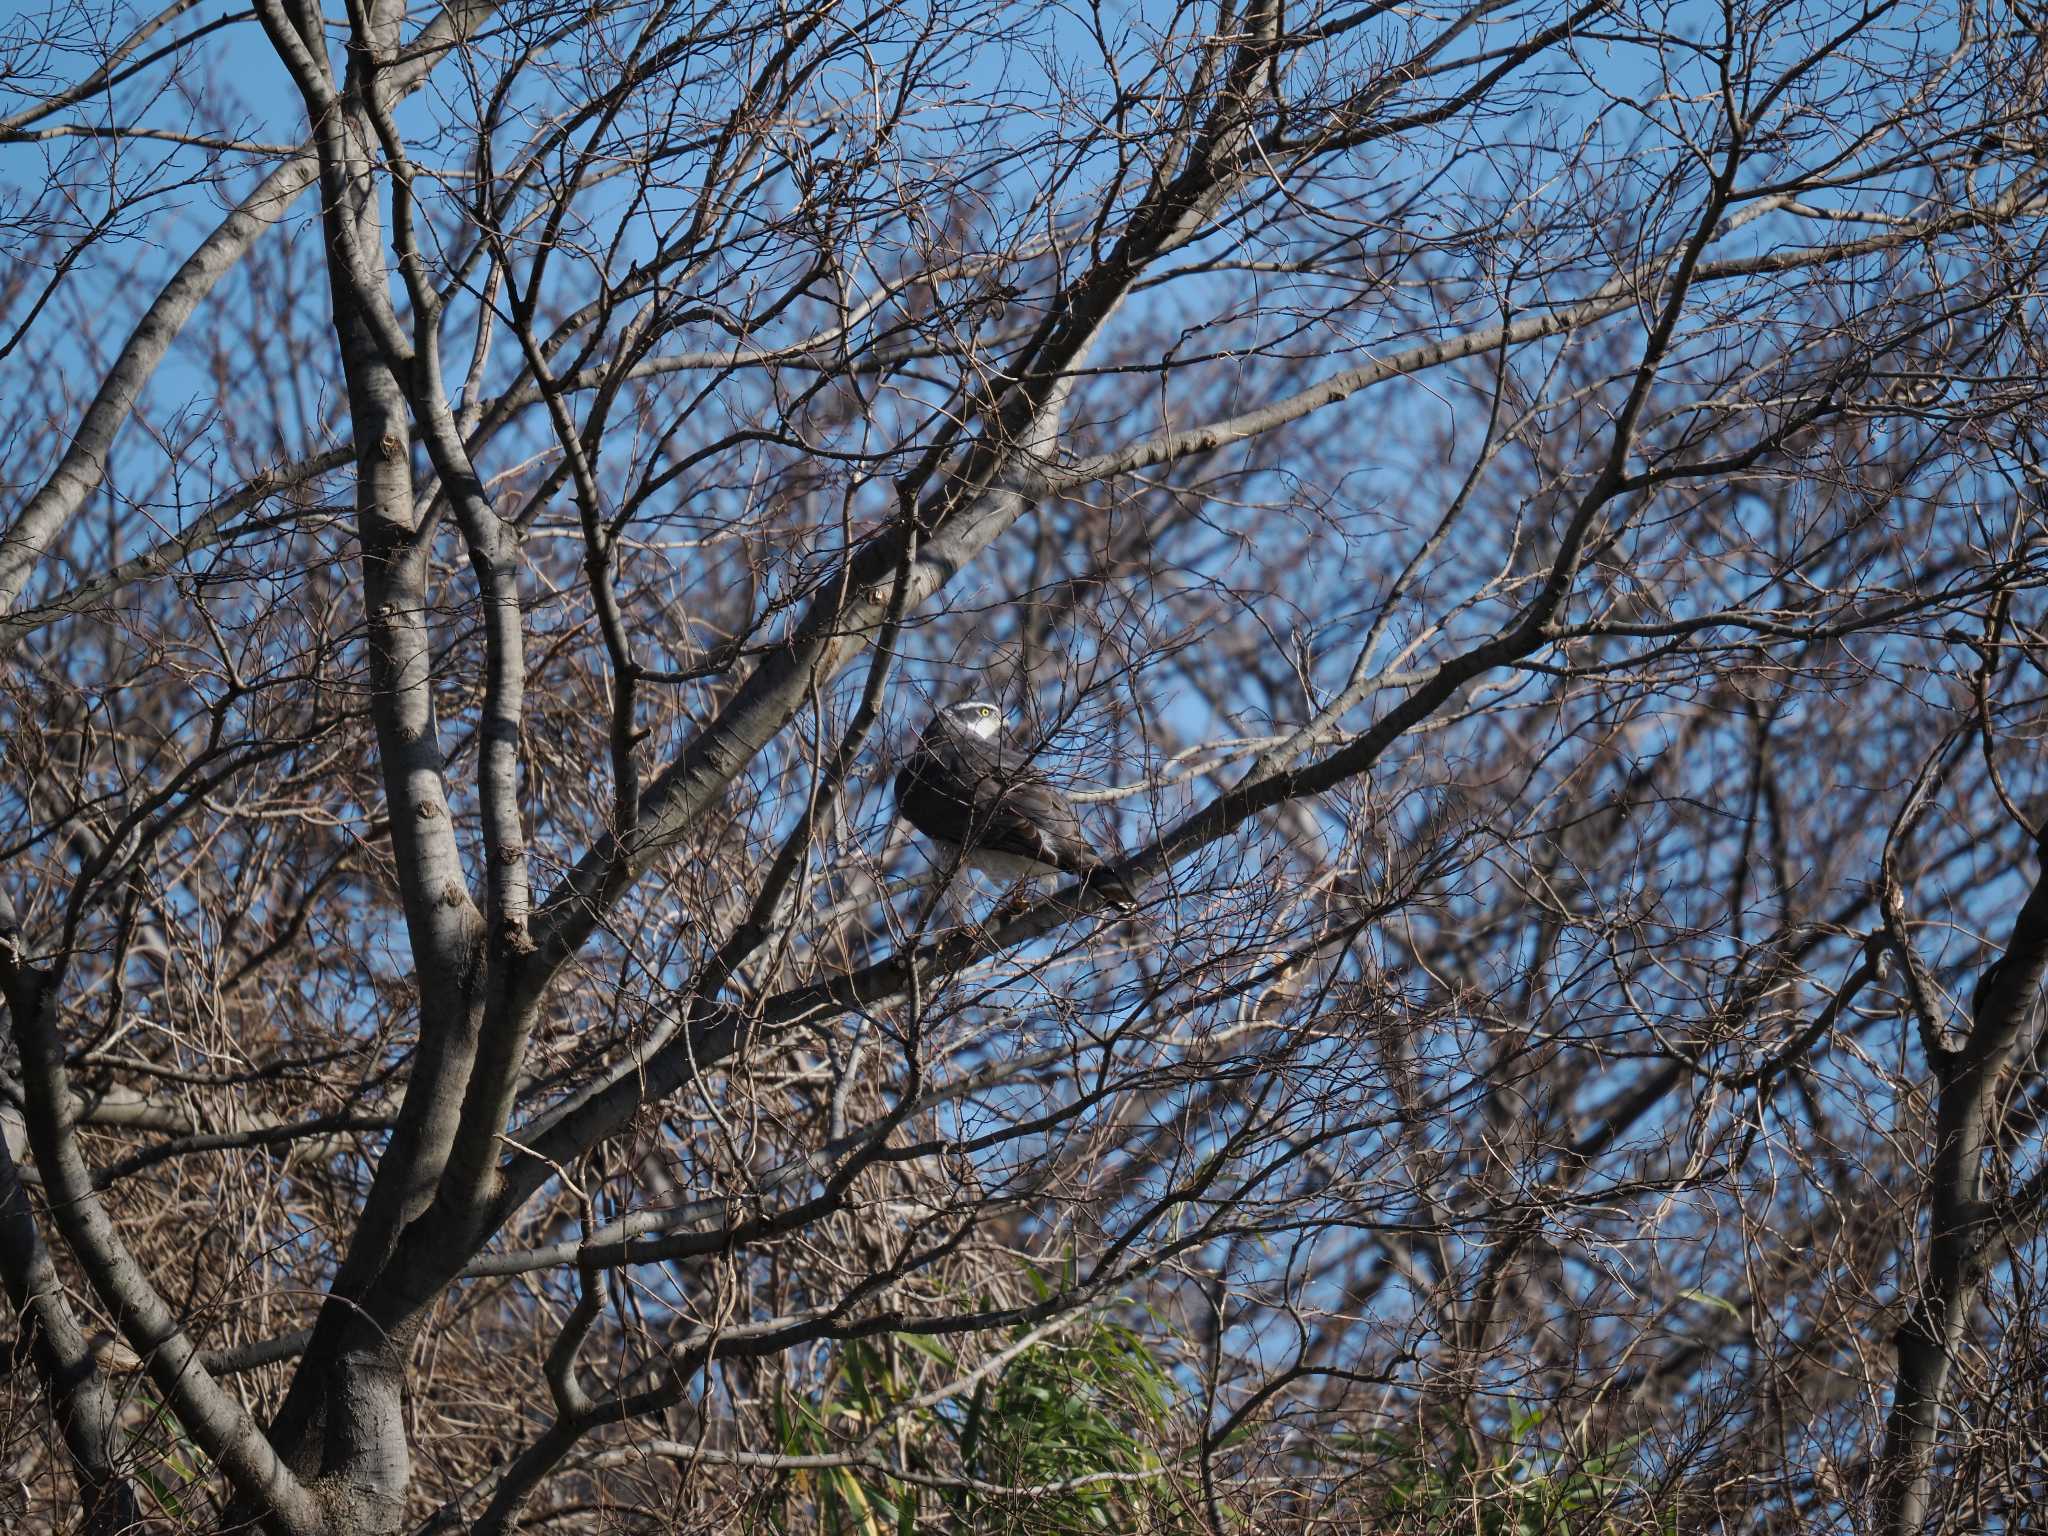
(1120, 891)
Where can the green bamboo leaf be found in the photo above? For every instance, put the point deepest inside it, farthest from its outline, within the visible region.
(930, 1348)
(1709, 1299)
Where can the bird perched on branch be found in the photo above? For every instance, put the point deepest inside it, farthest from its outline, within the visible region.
(975, 794)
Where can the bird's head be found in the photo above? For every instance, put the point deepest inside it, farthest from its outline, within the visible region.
(975, 718)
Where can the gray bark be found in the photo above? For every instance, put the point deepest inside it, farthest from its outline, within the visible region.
(84, 464)
(79, 1398)
(216, 1421)
(1963, 1227)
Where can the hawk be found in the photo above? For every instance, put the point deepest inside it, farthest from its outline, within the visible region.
(975, 795)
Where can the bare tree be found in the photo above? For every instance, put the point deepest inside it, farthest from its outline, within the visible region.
(1520, 526)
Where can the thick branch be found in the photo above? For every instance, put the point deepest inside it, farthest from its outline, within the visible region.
(216, 1421)
(1963, 1229)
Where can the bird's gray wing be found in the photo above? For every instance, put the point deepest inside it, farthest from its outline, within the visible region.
(1031, 807)
(951, 788)
(966, 791)
(960, 790)
(1029, 816)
